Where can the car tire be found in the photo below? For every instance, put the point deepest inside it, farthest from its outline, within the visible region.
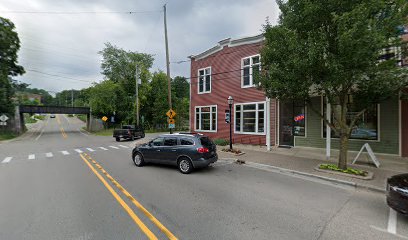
(132, 138)
(138, 159)
(117, 139)
(185, 166)
(143, 135)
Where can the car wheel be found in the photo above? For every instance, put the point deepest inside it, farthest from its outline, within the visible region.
(185, 166)
(138, 159)
(117, 139)
(132, 138)
(143, 135)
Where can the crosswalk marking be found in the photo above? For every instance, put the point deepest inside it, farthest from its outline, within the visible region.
(114, 147)
(78, 151)
(123, 146)
(31, 156)
(49, 154)
(90, 149)
(65, 152)
(103, 148)
(7, 160)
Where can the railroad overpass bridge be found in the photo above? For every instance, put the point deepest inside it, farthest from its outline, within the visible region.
(21, 109)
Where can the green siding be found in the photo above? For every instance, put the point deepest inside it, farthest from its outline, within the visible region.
(388, 127)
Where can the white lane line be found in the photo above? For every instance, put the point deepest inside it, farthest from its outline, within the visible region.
(90, 149)
(79, 130)
(78, 150)
(392, 222)
(114, 147)
(31, 156)
(385, 231)
(49, 154)
(7, 160)
(123, 146)
(103, 148)
(42, 131)
(65, 152)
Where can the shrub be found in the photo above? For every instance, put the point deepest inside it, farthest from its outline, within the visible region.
(221, 142)
(334, 167)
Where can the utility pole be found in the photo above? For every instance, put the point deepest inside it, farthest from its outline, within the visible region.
(72, 97)
(167, 61)
(137, 94)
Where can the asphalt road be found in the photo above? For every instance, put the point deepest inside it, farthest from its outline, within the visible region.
(58, 182)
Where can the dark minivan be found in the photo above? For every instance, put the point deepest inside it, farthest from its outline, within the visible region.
(187, 151)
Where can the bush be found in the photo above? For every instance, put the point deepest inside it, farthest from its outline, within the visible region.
(221, 142)
(70, 115)
(39, 117)
(334, 167)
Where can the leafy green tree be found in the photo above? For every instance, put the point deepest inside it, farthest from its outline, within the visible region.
(9, 46)
(119, 66)
(181, 99)
(104, 99)
(156, 111)
(335, 48)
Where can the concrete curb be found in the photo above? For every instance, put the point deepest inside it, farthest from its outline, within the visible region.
(310, 175)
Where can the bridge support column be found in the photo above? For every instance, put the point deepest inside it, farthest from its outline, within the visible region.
(88, 122)
(19, 125)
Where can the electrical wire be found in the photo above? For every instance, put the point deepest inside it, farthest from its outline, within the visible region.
(81, 12)
(56, 75)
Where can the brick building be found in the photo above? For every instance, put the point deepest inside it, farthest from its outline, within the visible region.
(227, 70)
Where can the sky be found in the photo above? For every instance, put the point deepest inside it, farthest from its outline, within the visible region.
(60, 39)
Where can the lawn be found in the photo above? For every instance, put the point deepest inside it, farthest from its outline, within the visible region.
(105, 132)
(6, 136)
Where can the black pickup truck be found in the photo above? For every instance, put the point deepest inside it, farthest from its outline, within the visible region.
(128, 132)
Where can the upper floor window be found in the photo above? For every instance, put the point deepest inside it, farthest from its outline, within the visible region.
(204, 80)
(250, 67)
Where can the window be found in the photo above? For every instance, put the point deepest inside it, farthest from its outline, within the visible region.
(206, 118)
(299, 119)
(158, 142)
(366, 127)
(204, 80)
(170, 141)
(250, 118)
(186, 141)
(250, 67)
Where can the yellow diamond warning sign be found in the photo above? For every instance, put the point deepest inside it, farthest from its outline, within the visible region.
(171, 113)
(104, 118)
(172, 121)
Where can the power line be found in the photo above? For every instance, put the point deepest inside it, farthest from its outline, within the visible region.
(55, 75)
(80, 12)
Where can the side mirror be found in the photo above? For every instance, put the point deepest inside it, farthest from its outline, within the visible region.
(150, 143)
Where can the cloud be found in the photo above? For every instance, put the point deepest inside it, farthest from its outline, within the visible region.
(68, 44)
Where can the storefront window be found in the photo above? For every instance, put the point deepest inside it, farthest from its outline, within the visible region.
(250, 118)
(366, 128)
(206, 118)
(299, 120)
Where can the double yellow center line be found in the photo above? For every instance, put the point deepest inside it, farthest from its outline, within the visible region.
(88, 160)
(64, 135)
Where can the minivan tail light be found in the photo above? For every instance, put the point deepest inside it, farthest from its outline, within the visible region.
(202, 150)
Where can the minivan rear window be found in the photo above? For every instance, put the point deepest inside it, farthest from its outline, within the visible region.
(206, 141)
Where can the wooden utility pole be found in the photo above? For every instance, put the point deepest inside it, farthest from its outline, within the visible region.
(167, 61)
(137, 95)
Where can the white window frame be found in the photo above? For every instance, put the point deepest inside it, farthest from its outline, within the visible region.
(256, 118)
(251, 81)
(198, 128)
(205, 80)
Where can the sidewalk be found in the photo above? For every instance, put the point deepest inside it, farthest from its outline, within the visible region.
(304, 160)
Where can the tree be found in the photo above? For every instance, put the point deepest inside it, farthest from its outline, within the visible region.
(181, 95)
(336, 49)
(158, 99)
(104, 99)
(9, 46)
(119, 66)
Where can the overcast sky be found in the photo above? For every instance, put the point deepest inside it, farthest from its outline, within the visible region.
(67, 45)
